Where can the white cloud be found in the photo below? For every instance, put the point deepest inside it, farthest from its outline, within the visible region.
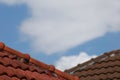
(59, 25)
(67, 62)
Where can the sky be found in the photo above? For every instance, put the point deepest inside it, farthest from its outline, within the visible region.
(63, 32)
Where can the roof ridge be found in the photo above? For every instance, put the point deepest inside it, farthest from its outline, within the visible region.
(3, 47)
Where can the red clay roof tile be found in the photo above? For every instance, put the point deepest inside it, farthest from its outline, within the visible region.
(15, 65)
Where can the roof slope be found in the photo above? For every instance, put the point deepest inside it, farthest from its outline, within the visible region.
(15, 65)
(104, 67)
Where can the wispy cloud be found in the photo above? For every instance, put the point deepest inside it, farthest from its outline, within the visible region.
(67, 62)
(59, 25)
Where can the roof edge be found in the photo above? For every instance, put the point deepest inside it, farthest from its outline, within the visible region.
(3, 47)
(99, 58)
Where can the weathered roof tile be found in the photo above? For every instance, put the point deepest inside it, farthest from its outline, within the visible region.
(104, 67)
(15, 65)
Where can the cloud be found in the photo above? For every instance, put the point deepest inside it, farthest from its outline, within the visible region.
(11, 2)
(67, 62)
(59, 25)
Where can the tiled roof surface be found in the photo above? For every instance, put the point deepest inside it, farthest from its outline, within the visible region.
(15, 65)
(104, 67)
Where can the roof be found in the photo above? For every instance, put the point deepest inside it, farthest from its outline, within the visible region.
(15, 65)
(104, 67)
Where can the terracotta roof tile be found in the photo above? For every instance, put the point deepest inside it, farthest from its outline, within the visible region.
(15, 65)
(104, 67)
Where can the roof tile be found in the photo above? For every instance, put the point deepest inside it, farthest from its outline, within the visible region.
(15, 65)
(104, 67)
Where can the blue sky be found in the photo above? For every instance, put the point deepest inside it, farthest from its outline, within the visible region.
(54, 34)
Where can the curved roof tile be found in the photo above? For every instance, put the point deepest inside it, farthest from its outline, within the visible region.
(15, 65)
(104, 67)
